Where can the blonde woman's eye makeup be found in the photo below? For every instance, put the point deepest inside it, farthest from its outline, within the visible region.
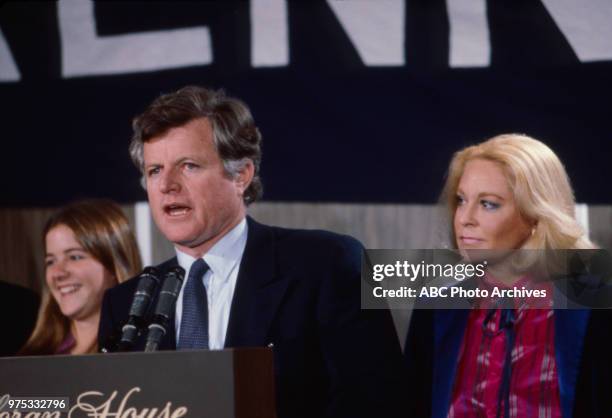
(460, 200)
(489, 205)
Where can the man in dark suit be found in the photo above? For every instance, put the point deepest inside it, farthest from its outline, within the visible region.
(254, 285)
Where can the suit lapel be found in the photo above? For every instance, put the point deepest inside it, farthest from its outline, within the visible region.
(570, 329)
(449, 327)
(259, 290)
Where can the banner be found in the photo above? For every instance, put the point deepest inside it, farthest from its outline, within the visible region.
(357, 101)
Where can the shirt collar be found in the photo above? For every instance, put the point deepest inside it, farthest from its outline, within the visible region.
(223, 257)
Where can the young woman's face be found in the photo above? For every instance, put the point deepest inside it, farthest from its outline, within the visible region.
(487, 216)
(76, 280)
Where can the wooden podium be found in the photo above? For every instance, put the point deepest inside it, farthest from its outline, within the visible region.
(201, 384)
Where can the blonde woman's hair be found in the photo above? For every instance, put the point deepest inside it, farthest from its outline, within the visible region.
(540, 186)
(103, 230)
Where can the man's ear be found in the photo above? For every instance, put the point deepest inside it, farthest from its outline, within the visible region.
(243, 178)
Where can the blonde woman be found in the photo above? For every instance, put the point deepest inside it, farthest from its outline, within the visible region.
(89, 248)
(510, 192)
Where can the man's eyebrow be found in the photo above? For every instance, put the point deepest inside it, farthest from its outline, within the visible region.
(152, 165)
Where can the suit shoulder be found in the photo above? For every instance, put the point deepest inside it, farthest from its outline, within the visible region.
(121, 290)
(18, 294)
(305, 249)
(14, 298)
(130, 285)
(316, 238)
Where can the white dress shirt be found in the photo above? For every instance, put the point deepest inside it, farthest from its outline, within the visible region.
(224, 262)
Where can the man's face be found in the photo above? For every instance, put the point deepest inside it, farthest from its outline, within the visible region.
(193, 201)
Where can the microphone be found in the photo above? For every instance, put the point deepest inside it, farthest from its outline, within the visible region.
(164, 309)
(149, 280)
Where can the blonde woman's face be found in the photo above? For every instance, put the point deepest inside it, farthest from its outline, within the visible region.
(76, 280)
(487, 216)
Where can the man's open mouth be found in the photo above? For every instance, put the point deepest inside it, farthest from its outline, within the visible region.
(176, 209)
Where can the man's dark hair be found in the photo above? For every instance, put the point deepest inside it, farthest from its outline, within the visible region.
(235, 135)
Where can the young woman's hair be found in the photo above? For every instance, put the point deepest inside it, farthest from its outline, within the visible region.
(540, 186)
(102, 229)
